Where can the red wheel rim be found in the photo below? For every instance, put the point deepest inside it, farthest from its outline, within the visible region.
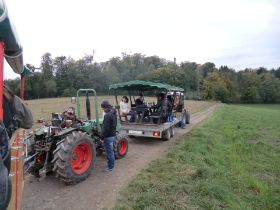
(81, 158)
(122, 147)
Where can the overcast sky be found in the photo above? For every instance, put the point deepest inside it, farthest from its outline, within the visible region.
(236, 33)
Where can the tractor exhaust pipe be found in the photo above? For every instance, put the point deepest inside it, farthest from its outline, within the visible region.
(88, 106)
(8, 35)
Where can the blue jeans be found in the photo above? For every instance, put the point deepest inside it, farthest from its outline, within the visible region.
(109, 149)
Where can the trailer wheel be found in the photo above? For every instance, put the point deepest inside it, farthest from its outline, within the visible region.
(120, 147)
(166, 135)
(74, 158)
(172, 131)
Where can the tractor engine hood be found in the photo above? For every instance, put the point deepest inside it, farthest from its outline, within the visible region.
(8, 35)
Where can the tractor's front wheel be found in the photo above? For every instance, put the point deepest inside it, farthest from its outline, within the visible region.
(74, 158)
(120, 147)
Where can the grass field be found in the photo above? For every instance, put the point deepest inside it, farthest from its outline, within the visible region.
(232, 161)
(42, 108)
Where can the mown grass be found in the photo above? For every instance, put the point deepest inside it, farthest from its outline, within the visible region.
(232, 161)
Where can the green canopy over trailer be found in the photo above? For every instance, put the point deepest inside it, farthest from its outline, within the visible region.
(143, 86)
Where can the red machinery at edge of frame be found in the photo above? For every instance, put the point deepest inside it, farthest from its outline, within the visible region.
(11, 50)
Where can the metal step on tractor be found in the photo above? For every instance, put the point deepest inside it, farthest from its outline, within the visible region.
(68, 146)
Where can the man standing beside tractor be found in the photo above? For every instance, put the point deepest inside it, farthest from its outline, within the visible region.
(109, 133)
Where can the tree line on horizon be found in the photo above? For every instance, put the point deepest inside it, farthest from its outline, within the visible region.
(62, 76)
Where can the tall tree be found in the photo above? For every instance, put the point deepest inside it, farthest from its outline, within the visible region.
(170, 74)
(207, 68)
(62, 76)
(269, 88)
(249, 83)
(47, 66)
(214, 87)
(192, 77)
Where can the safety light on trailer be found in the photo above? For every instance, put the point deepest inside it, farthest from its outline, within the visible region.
(157, 133)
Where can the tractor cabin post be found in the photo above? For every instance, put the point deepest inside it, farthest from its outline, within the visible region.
(117, 104)
(129, 94)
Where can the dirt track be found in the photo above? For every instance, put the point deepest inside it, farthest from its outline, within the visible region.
(101, 189)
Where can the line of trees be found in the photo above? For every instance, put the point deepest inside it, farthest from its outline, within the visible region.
(63, 76)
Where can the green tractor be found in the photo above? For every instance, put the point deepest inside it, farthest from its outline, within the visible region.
(68, 146)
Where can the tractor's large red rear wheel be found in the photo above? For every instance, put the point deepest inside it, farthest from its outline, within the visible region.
(120, 147)
(81, 158)
(74, 158)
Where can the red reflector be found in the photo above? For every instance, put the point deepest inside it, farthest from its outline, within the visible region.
(156, 133)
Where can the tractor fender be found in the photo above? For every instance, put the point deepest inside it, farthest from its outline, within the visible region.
(64, 133)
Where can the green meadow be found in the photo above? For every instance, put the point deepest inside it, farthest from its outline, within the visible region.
(231, 161)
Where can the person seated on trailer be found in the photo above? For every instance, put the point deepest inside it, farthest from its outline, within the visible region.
(141, 110)
(160, 102)
(125, 107)
(160, 109)
(140, 100)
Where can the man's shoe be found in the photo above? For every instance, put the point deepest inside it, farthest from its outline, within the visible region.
(107, 170)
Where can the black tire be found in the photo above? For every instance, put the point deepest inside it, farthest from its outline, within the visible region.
(64, 158)
(172, 131)
(166, 135)
(182, 122)
(120, 146)
(188, 117)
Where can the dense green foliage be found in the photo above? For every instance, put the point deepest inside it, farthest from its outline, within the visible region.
(62, 76)
(231, 162)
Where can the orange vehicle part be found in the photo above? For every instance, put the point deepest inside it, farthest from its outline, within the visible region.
(17, 170)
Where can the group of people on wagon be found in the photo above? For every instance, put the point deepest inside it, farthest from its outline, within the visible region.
(141, 112)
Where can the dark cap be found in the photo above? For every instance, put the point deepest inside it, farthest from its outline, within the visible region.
(105, 104)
